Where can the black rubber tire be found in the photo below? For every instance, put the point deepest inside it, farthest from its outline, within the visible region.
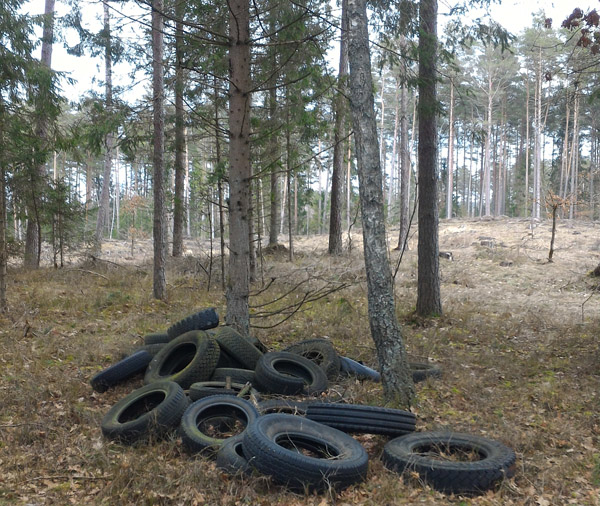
(237, 347)
(135, 363)
(274, 443)
(222, 409)
(153, 349)
(156, 338)
(231, 458)
(496, 463)
(321, 352)
(150, 411)
(351, 367)
(423, 370)
(258, 344)
(282, 372)
(236, 375)
(202, 320)
(360, 419)
(189, 358)
(282, 406)
(206, 388)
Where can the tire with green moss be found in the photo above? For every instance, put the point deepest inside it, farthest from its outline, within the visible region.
(208, 422)
(321, 352)
(189, 358)
(150, 411)
(238, 347)
(282, 372)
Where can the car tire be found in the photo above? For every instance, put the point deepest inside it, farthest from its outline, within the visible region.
(416, 453)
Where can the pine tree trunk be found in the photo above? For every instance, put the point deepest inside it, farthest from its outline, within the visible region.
(428, 283)
(450, 184)
(3, 225)
(33, 237)
(385, 330)
(160, 219)
(179, 197)
(337, 178)
(404, 170)
(238, 284)
(103, 206)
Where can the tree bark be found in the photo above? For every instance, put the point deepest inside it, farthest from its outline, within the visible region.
(450, 184)
(160, 219)
(103, 207)
(238, 284)
(179, 197)
(33, 237)
(385, 330)
(428, 283)
(404, 170)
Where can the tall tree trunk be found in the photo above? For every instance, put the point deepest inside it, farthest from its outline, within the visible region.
(394, 145)
(450, 184)
(574, 157)
(527, 143)
(3, 225)
(160, 218)
(537, 156)
(428, 283)
(238, 284)
(385, 330)
(103, 207)
(337, 179)
(180, 169)
(275, 162)
(487, 167)
(404, 169)
(33, 237)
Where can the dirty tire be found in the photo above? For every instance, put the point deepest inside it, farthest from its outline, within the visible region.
(236, 375)
(202, 320)
(423, 370)
(231, 457)
(351, 367)
(321, 352)
(207, 388)
(121, 371)
(225, 412)
(189, 358)
(238, 347)
(282, 372)
(359, 419)
(274, 443)
(156, 338)
(416, 453)
(152, 410)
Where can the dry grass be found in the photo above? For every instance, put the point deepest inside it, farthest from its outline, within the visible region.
(517, 343)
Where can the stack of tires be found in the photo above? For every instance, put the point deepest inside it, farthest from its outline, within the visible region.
(206, 383)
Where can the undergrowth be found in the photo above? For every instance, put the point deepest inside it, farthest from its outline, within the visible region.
(526, 377)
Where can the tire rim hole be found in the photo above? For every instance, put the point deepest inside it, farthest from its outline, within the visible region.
(307, 447)
(449, 452)
(141, 407)
(222, 427)
(293, 370)
(179, 359)
(314, 356)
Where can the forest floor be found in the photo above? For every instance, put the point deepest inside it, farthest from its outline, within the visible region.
(518, 344)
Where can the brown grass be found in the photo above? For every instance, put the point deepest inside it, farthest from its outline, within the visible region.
(517, 344)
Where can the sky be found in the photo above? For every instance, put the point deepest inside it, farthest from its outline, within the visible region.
(514, 15)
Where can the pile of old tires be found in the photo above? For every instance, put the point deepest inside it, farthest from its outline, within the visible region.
(207, 383)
